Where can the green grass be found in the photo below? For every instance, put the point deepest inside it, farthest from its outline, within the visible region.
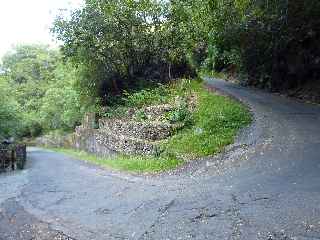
(216, 122)
(213, 125)
(160, 94)
(138, 164)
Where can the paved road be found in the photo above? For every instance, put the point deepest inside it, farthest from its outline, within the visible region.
(266, 186)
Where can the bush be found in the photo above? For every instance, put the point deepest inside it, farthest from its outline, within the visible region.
(10, 112)
(61, 109)
(117, 43)
(180, 114)
(144, 97)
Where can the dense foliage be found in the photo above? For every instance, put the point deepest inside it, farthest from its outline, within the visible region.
(272, 43)
(111, 46)
(119, 43)
(206, 131)
(280, 48)
(37, 92)
(10, 119)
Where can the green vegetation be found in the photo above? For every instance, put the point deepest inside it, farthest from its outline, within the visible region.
(160, 94)
(126, 163)
(9, 112)
(113, 47)
(120, 43)
(118, 55)
(38, 92)
(213, 125)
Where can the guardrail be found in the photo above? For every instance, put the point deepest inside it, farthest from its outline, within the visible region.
(12, 157)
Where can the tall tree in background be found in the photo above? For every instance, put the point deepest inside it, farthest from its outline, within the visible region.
(28, 70)
(10, 117)
(37, 92)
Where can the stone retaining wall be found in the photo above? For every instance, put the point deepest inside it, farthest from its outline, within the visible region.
(90, 140)
(126, 135)
(105, 142)
(151, 131)
(12, 157)
(99, 142)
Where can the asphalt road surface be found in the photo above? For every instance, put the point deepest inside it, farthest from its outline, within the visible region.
(265, 186)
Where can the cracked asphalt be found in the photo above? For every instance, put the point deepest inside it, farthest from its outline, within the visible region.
(265, 186)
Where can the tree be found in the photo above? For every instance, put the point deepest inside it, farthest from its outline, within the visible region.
(60, 109)
(61, 106)
(38, 91)
(29, 69)
(10, 118)
(118, 42)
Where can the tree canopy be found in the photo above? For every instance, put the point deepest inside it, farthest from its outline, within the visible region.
(37, 92)
(118, 42)
(111, 46)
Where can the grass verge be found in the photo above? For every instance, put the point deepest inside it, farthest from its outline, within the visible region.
(138, 164)
(216, 122)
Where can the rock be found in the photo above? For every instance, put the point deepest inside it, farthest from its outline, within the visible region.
(151, 131)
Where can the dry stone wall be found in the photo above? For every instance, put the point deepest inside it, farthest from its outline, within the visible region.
(111, 135)
(151, 131)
